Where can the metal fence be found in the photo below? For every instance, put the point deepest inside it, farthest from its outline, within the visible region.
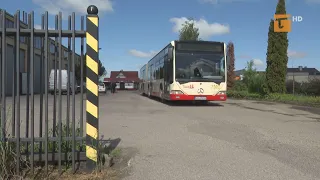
(42, 89)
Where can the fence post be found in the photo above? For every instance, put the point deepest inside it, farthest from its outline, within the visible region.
(92, 103)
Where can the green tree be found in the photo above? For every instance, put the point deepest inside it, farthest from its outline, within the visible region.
(230, 67)
(189, 31)
(277, 57)
(254, 80)
(102, 69)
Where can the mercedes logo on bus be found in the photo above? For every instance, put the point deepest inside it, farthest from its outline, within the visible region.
(200, 91)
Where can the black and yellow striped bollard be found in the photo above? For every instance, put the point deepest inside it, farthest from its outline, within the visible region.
(92, 103)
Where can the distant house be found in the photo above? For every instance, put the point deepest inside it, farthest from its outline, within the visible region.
(300, 74)
(125, 80)
(239, 74)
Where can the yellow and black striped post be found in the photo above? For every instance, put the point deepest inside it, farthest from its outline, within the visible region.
(92, 104)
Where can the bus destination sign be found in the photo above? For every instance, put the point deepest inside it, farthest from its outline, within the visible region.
(209, 47)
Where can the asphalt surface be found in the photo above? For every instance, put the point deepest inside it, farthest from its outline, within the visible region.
(236, 140)
(233, 140)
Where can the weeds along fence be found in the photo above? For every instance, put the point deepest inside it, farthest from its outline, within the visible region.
(42, 108)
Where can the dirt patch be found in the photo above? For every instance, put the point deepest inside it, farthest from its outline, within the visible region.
(106, 173)
(120, 168)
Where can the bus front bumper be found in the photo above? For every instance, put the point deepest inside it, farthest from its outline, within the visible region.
(184, 97)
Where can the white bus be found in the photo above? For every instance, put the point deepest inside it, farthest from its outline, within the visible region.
(187, 71)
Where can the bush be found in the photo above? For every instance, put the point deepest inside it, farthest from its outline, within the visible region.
(255, 84)
(240, 86)
(275, 97)
(311, 88)
(9, 160)
(253, 81)
(243, 95)
(297, 87)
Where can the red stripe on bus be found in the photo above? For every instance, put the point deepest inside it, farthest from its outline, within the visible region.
(183, 97)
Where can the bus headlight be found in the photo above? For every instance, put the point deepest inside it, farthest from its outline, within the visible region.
(221, 93)
(176, 92)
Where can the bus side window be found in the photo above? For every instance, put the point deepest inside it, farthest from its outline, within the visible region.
(170, 71)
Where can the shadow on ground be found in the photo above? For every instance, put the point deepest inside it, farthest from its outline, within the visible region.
(187, 103)
(193, 104)
(109, 145)
(261, 110)
(312, 110)
(302, 108)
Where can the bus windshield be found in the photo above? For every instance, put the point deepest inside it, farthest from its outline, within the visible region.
(196, 66)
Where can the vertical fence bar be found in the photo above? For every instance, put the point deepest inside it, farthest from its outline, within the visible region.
(81, 82)
(73, 94)
(14, 81)
(46, 64)
(60, 90)
(54, 124)
(2, 30)
(3, 76)
(92, 103)
(32, 88)
(18, 92)
(28, 86)
(68, 96)
(41, 89)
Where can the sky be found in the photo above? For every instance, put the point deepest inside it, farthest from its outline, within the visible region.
(131, 32)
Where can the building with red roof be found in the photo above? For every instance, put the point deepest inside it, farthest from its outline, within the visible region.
(125, 80)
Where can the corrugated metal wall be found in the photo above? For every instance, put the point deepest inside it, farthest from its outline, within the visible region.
(10, 58)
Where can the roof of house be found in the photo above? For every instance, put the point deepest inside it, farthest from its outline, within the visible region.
(125, 76)
(310, 71)
(239, 72)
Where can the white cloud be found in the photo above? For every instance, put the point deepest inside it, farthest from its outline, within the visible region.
(68, 6)
(141, 54)
(296, 54)
(257, 62)
(206, 29)
(38, 26)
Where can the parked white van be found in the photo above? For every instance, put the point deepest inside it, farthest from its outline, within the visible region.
(64, 88)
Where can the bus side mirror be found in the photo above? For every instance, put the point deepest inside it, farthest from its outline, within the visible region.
(170, 53)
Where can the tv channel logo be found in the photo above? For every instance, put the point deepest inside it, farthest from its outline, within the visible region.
(282, 22)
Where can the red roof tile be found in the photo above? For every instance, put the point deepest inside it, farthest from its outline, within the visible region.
(130, 76)
(127, 74)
